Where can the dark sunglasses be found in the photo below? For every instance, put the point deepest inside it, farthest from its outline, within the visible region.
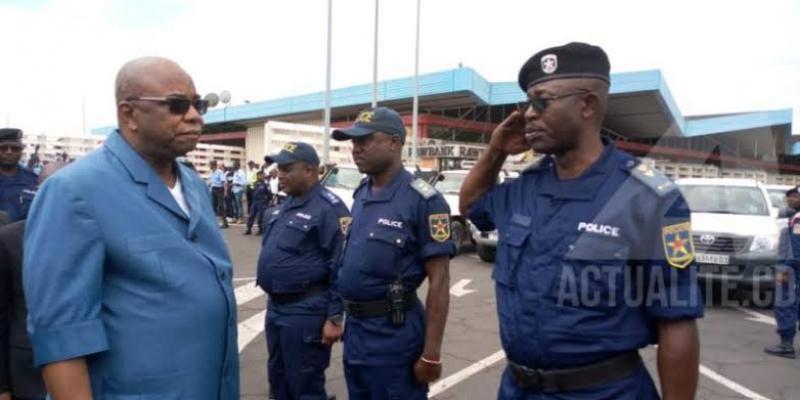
(10, 148)
(177, 105)
(540, 104)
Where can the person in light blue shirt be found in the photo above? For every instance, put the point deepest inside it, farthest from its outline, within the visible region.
(127, 278)
(237, 188)
(217, 184)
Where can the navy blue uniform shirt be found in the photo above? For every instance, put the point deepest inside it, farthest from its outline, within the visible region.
(393, 232)
(572, 254)
(16, 193)
(260, 192)
(303, 241)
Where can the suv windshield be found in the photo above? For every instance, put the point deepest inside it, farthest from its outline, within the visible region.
(725, 199)
(344, 178)
(776, 197)
(451, 183)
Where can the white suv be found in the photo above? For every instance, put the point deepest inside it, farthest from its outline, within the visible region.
(734, 231)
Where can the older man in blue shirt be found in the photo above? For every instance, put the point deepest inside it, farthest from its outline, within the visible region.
(127, 277)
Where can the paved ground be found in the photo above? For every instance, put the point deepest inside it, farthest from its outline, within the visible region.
(733, 364)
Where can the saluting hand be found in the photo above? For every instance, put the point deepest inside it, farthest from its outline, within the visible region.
(331, 333)
(426, 372)
(509, 136)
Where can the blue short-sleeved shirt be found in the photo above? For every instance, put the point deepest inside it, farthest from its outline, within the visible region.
(16, 191)
(586, 267)
(393, 232)
(217, 179)
(117, 273)
(301, 249)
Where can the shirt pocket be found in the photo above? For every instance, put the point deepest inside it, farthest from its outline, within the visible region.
(148, 258)
(297, 235)
(385, 249)
(512, 244)
(593, 273)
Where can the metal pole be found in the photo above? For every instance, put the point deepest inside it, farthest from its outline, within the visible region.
(415, 111)
(375, 60)
(326, 153)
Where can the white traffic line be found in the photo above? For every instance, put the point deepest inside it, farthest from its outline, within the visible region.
(246, 293)
(747, 393)
(452, 380)
(250, 329)
(253, 326)
(456, 378)
(460, 288)
(244, 278)
(758, 317)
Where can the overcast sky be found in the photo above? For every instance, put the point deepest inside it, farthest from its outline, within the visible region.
(57, 55)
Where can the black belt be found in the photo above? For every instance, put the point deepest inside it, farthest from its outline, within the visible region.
(377, 308)
(577, 378)
(287, 298)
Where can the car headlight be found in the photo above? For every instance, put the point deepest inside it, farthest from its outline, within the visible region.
(764, 243)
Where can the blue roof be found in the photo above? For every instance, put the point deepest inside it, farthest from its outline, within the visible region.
(467, 80)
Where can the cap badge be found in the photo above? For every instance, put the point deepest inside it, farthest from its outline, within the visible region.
(365, 117)
(549, 63)
(290, 147)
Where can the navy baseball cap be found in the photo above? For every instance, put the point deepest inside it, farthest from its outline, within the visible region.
(379, 119)
(793, 190)
(11, 136)
(294, 152)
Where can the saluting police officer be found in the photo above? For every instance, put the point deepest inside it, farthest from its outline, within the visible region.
(399, 235)
(787, 281)
(595, 258)
(298, 265)
(17, 183)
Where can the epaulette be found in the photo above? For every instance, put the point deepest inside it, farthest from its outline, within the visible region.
(330, 197)
(655, 180)
(423, 188)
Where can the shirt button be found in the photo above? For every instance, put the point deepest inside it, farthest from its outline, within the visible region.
(371, 234)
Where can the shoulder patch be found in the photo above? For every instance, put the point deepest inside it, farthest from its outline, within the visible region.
(678, 246)
(423, 188)
(655, 180)
(330, 197)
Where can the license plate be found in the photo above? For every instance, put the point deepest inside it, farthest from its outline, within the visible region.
(719, 259)
(709, 269)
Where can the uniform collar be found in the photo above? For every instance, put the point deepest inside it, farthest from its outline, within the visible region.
(387, 193)
(297, 202)
(142, 172)
(585, 186)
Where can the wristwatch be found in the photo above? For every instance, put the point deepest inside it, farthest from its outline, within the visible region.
(336, 319)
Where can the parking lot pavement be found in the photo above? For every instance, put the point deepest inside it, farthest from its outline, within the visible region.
(733, 363)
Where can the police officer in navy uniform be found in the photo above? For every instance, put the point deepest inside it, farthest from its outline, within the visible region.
(787, 285)
(400, 235)
(259, 197)
(298, 265)
(17, 183)
(595, 258)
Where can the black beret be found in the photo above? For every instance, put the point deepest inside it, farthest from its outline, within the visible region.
(11, 135)
(573, 60)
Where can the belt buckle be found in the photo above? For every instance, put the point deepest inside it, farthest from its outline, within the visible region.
(532, 378)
